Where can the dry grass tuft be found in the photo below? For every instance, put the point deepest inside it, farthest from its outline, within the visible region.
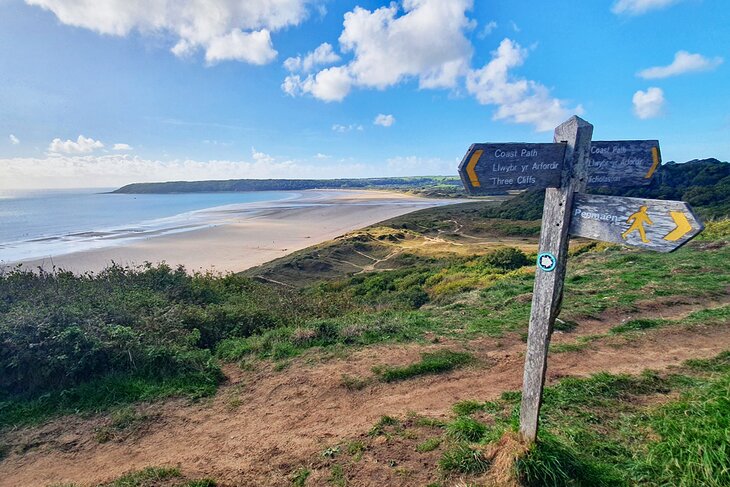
(503, 455)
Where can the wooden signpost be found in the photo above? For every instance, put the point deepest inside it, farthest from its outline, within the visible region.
(566, 168)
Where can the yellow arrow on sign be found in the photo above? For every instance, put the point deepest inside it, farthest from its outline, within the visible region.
(470, 168)
(655, 158)
(683, 226)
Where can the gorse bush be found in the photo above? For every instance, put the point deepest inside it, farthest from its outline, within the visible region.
(508, 259)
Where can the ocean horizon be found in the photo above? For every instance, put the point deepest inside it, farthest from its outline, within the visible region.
(37, 224)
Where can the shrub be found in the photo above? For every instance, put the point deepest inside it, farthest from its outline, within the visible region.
(507, 259)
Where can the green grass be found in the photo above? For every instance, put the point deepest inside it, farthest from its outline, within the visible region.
(383, 425)
(146, 477)
(461, 458)
(466, 428)
(639, 324)
(299, 478)
(465, 408)
(337, 476)
(152, 477)
(104, 394)
(598, 431)
(428, 445)
(431, 363)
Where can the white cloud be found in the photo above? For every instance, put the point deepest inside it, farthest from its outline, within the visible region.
(389, 46)
(384, 120)
(638, 7)
(649, 103)
(223, 29)
(427, 42)
(487, 29)
(14, 140)
(323, 55)
(123, 147)
(82, 145)
(517, 100)
(331, 84)
(250, 47)
(684, 62)
(347, 128)
(261, 157)
(514, 26)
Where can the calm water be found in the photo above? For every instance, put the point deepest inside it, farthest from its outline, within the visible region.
(42, 223)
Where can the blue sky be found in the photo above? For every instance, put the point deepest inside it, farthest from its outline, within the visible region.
(105, 92)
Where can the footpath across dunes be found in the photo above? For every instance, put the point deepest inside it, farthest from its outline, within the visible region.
(389, 356)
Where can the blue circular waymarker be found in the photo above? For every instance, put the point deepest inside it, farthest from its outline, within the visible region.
(546, 261)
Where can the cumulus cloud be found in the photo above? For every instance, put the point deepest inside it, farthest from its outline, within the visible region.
(14, 140)
(122, 147)
(487, 29)
(517, 100)
(384, 120)
(638, 7)
(331, 84)
(347, 128)
(649, 103)
(684, 62)
(82, 145)
(322, 56)
(389, 46)
(223, 29)
(250, 47)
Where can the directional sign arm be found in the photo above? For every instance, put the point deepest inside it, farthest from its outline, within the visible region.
(659, 225)
(622, 163)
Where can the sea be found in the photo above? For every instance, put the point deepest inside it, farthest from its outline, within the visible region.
(42, 223)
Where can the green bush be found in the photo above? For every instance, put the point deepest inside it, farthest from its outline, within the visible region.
(59, 330)
(507, 259)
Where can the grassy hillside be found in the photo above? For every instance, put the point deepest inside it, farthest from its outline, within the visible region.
(88, 342)
(445, 280)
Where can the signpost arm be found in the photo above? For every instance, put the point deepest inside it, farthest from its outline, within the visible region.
(576, 133)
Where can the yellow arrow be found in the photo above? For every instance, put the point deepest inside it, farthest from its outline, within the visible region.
(470, 168)
(655, 158)
(683, 226)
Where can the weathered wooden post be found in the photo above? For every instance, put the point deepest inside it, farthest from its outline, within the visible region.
(567, 167)
(547, 294)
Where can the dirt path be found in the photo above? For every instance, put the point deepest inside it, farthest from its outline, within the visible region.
(262, 425)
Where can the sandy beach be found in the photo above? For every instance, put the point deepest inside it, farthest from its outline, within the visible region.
(252, 234)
